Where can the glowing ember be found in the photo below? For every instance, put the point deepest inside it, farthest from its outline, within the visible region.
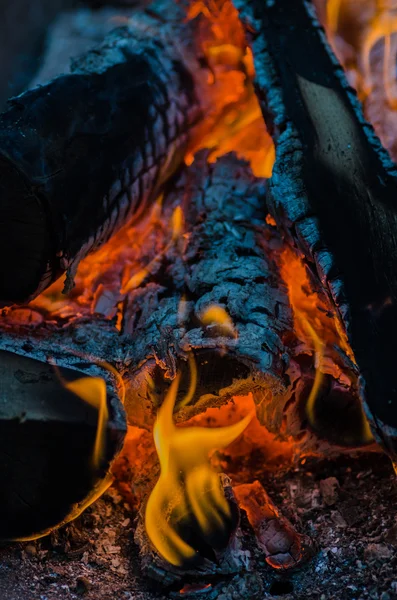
(187, 483)
(314, 318)
(318, 326)
(235, 122)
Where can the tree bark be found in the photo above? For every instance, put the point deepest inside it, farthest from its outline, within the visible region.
(224, 259)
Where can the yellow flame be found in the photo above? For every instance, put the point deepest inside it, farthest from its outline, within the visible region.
(215, 314)
(177, 223)
(187, 483)
(193, 381)
(318, 378)
(93, 391)
(380, 27)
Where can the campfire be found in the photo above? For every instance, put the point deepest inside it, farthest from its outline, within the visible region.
(198, 291)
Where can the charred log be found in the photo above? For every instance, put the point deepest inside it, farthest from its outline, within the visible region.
(83, 154)
(225, 256)
(46, 444)
(223, 260)
(333, 189)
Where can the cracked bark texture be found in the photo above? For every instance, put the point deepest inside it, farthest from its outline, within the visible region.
(223, 259)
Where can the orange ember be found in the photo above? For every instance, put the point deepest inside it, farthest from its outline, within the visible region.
(311, 312)
(235, 122)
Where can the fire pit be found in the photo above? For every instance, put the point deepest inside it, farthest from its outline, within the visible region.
(198, 305)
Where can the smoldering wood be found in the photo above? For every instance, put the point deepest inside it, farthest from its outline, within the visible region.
(83, 154)
(282, 546)
(225, 260)
(46, 445)
(333, 188)
(226, 256)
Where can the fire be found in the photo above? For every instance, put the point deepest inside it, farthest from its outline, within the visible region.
(93, 391)
(187, 484)
(315, 323)
(318, 326)
(235, 122)
(217, 315)
(377, 22)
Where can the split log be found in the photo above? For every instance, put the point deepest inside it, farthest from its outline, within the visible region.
(47, 437)
(333, 189)
(82, 155)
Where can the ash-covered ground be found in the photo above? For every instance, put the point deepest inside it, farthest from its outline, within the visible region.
(347, 506)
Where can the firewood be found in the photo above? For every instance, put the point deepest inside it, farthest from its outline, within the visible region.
(224, 261)
(46, 446)
(83, 154)
(332, 190)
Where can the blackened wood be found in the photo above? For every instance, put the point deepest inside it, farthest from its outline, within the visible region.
(225, 255)
(47, 436)
(82, 155)
(224, 259)
(333, 189)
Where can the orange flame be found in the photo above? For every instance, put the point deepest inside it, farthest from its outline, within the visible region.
(318, 326)
(187, 483)
(235, 121)
(378, 23)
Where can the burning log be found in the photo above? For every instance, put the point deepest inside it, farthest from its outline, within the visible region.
(333, 190)
(213, 304)
(56, 444)
(83, 154)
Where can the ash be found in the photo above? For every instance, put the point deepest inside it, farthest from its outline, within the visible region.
(346, 505)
